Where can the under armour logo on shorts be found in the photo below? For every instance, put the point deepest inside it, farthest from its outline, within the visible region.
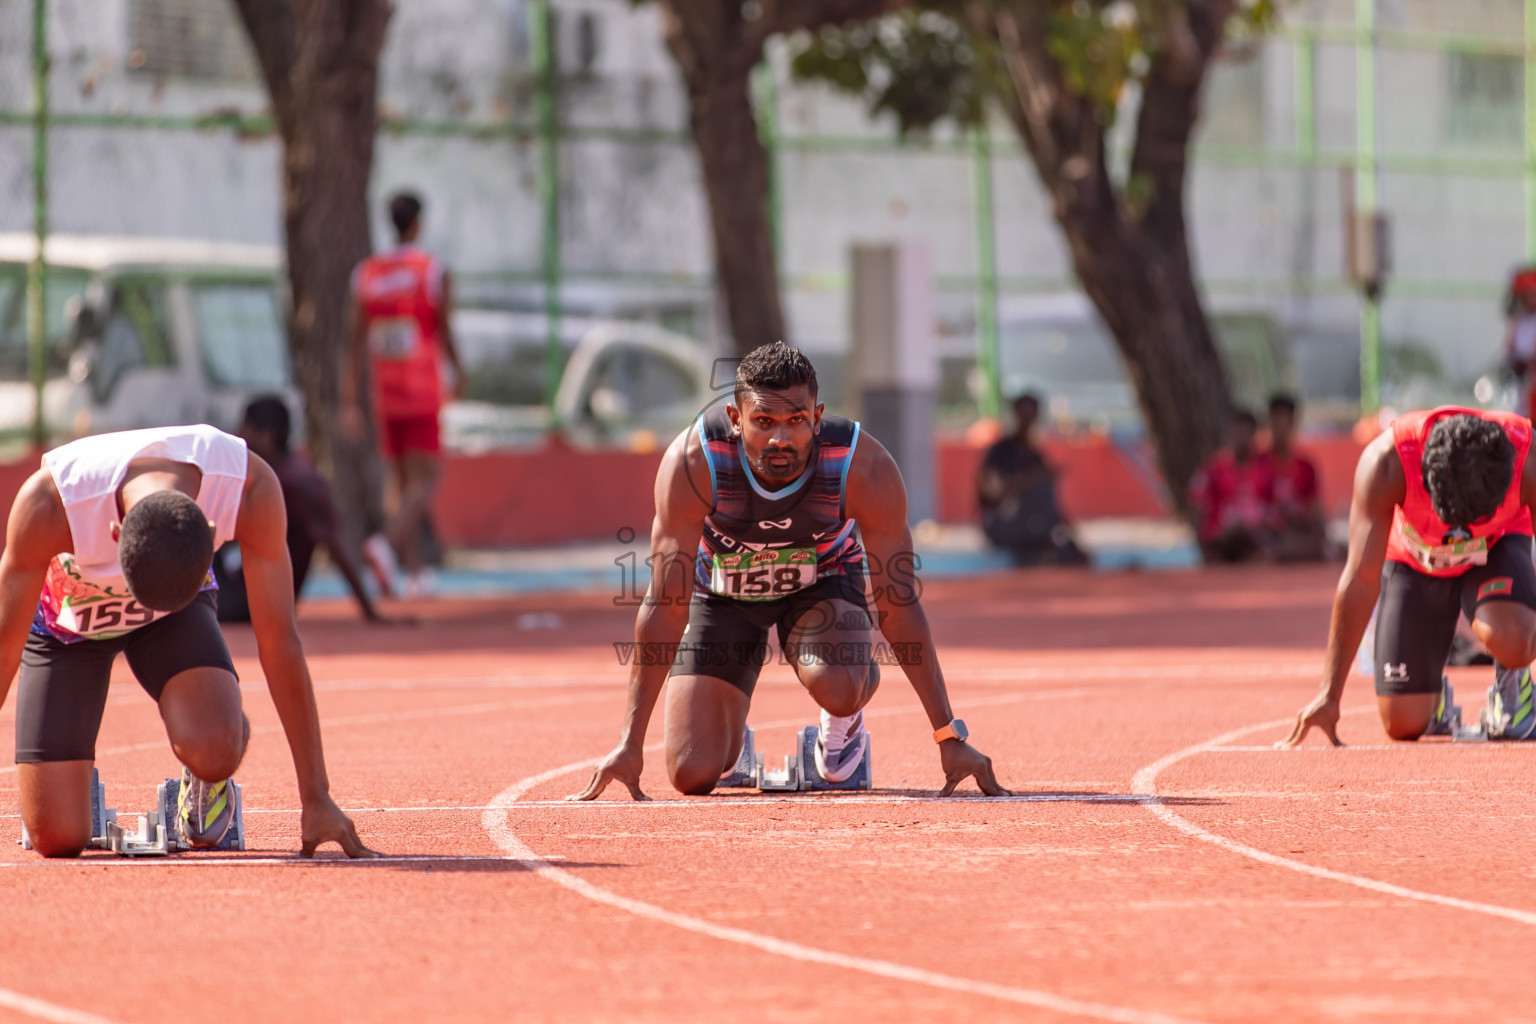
(1398, 673)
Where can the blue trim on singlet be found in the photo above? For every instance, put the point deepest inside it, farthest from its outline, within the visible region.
(714, 488)
(782, 492)
(853, 446)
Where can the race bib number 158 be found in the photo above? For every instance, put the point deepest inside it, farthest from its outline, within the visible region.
(763, 575)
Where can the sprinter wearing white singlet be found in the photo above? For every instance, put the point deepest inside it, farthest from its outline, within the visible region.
(108, 549)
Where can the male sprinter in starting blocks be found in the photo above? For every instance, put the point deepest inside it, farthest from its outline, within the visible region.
(108, 549)
(756, 509)
(1444, 499)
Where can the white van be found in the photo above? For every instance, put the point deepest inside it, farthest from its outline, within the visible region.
(143, 332)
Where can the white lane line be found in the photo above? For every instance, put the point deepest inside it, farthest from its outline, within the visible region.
(44, 1010)
(1408, 747)
(496, 824)
(236, 860)
(1144, 784)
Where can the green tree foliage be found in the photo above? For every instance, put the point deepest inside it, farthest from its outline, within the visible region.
(1062, 71)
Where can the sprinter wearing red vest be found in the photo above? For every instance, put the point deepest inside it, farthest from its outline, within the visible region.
(1440, 525)
(400, 305)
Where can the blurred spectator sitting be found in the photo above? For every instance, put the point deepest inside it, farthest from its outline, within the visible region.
(1016, 490)
(1296, 514)
(311, 514)
(1232, 494)
(1520, 335)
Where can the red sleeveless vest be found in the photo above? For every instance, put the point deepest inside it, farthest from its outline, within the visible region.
(1419, 538)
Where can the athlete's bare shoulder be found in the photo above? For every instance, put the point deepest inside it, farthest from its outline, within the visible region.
(684, 486)
(874, 481)
(1380, 481)
(38, 526)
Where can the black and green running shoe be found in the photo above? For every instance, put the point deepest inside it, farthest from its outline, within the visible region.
(1511, 713)
(1447, 714)
(205, 810)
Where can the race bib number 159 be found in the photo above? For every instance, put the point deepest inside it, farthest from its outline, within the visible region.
(103, 620)
(763, 575)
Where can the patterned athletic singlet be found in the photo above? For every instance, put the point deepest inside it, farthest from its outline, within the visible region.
(1418, 537)
(761, 545)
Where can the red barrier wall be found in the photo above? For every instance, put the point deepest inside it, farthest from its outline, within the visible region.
(557, 494)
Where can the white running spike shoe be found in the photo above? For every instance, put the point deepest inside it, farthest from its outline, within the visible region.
(841, 745)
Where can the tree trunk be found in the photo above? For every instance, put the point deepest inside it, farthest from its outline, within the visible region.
(1131, 254)
(320, 61)
(716, 50)
(716, 45)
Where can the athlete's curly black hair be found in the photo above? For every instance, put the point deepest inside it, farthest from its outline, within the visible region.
(774, 367)
(165, 548)
(1468, 464)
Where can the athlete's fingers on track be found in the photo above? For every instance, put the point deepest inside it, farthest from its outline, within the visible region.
(636, 792)
(988, 781)
(1298, 733)
(601, 776)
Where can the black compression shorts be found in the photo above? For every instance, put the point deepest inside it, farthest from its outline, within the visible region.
(728, 639)
(1416, 619)
(63, 687)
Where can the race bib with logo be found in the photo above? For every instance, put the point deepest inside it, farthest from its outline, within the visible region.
(75, 607)
(1435, 557)
(394, 337)
(762, 575)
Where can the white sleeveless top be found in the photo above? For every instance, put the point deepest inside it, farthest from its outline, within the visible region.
(86, 596)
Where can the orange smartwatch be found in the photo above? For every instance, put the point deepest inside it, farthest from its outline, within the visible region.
(955, 730)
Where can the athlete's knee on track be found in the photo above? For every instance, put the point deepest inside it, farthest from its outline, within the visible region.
(1404, 723)
(693, 776)
(53, 836)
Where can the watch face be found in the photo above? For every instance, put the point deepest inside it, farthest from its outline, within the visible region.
(961, 732)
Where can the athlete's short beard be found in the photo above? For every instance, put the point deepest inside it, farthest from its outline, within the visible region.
(760, 466)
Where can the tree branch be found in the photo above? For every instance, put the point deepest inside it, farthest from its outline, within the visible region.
(1169, 110)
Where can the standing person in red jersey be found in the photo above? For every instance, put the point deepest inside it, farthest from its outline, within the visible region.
(1232, 494)
(1520, 335)
(400, 305)
(1296, 512)
(1439, 526)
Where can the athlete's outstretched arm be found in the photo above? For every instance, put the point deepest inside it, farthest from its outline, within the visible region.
(262, 530)
(877, 500)
(38, 529)
(1379, 488)
(682, 502)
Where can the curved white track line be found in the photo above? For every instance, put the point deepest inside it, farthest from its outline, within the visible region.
(495, 823)
(44, 1010)
(1144, 784)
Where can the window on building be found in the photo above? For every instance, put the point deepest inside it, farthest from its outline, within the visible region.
(1486, 102)
(188, 38)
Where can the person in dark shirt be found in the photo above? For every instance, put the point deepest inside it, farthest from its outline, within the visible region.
(311, 515)
(1016, 490)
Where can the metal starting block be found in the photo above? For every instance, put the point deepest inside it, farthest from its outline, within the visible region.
(745, 771)
(159, 831)
(799, 772)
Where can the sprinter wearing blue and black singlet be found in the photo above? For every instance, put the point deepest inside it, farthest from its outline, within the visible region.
(767, 511)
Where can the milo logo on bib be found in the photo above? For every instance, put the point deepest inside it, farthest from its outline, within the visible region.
(765, 576)
(1452, 553)
(90, 609)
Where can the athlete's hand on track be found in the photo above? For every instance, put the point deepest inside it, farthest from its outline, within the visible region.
(623, 765)
(1323, 713)
(324, 822)
(962, 761)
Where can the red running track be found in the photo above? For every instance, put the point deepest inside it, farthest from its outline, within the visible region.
(1161, 863)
